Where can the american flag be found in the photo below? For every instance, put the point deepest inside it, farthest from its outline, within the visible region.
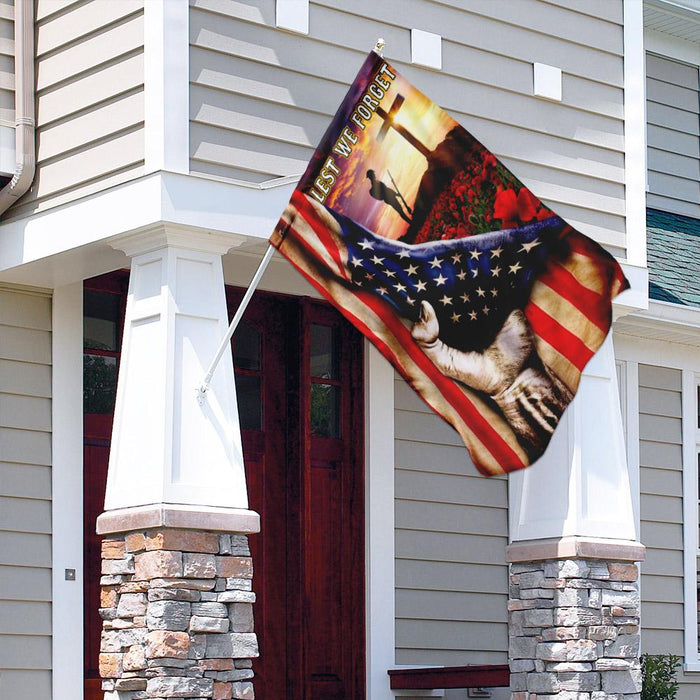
(561, 280)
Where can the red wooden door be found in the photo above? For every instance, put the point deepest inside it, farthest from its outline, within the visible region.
(300, 400)
(299, 385)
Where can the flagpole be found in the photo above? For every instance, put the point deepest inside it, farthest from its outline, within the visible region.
(202, 388)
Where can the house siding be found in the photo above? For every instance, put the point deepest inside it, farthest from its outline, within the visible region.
(673, 136)
(7, 63)
(451, 528)
(661, 515)
(89, 102)
(261, 98)
(25, 494)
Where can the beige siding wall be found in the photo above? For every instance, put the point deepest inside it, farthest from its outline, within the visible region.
(451, 534)
(261, 98)
(7, 63)
(90, 108)
(25, 494)
(661, 512)
(673, 135)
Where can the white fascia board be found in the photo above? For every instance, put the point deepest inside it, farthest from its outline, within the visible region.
(671, 46)
(662, 318)
(77, 233)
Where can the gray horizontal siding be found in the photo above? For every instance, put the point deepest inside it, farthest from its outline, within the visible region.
(661, 508)
(451, 531)
(673, 136)
(261, 98)
(90, 110)
(25, 494)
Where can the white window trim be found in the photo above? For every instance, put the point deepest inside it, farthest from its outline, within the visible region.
(691, 441)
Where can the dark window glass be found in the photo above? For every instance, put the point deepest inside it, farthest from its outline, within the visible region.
(99, 383)
(325, 413)
(324, 352)
(249, 401)
(246, 347)
(100, 320)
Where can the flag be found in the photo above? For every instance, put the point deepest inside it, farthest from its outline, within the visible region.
(483, 299)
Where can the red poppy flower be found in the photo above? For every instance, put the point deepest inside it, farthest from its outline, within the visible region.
(527, 205)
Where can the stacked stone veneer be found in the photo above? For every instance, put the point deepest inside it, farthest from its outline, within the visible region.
(177, 616)
(574, 630)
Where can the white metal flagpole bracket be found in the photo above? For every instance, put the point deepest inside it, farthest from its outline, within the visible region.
(202, 388)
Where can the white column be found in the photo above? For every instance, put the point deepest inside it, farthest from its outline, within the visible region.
(170, 455)
(580, 487)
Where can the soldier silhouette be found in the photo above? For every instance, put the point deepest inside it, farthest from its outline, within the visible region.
(385, 194)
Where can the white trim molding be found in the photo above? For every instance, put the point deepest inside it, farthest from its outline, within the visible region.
(67, 491)
(167, 85)
(635, 133)
(379, 538)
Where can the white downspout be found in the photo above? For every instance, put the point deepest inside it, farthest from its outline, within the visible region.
(25, 148)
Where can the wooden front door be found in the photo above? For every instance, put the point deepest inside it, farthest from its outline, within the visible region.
(299, 384)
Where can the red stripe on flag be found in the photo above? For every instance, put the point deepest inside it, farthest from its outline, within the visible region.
(305, 209)
(492, 441)
(558, 336)
(594, 306)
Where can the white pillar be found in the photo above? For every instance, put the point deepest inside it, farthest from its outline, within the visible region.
(579, 489)
(170, 456)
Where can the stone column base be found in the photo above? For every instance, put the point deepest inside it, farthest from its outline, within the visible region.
(177, 615)
(574, 629)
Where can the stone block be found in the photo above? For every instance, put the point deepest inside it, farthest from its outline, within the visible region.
(231, 645)
(162, 644)
(240, 616)
(599, 572)
(113, 549)
(522, 647)
(158, 564)
(191, 584)
(237, 675)
(521, 665)
(613, 664)
(586, 681)
(622, 681)
(183, 594)
(168, 615)
(538, 618)
(133, 587)
(570, 617)
(134, 659)
(135, 542)
(236, 597)
(208, 624)
(132, 604)
(532, 579)
(183, 540)
(543, 683)
(601, 633)
(239, 546)
(626, 646)
(554, 634)
(118, 567)
(569, 667)
(623, 572)
(234, 567)
(108, 597)
(216, 664)
(581, 650)
(621, 599)
(571, 598)
(595, 598)
(566, 568)
(552, 651)
(222, 691)
(109, 641)
(124, 685)
(132, 636)
(242, 691)
(518, 681)
(534, 593)
(210, 609)
(197, 565)
(179, 687)
(110, 665)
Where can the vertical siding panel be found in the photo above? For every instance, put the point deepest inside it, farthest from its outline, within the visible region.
(25, 494)
(7, 63)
